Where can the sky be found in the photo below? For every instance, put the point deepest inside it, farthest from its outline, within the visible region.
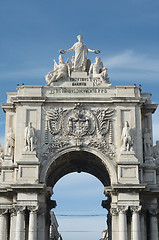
(127, 34)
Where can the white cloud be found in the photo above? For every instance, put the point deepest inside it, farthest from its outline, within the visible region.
(131, 66)
(131, 60)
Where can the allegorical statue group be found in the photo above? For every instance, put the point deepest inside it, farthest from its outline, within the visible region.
(79, 63)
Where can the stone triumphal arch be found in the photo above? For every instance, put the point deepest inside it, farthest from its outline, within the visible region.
(78, 122)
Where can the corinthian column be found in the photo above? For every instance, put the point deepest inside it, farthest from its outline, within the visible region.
(20, 223)
(12, 223)
(143, 224)
(41, 223)
(122, 222)
(33, 223)
(135, 222)
(153, 224)
(3, 224)
(114, 213)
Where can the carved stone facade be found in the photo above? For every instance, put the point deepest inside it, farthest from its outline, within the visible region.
(79, 123)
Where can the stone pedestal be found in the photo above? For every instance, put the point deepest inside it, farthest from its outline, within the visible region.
(8, 161)
(79, 75)
(128, 168)
(128, 157)
(29, 157)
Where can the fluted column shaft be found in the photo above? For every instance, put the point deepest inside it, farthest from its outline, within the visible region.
(20, 224)
(114, 213)
(12, 224)
(33, 224)
(143, 226)
(3, 224)
(41, 226)
(135, 222)
(122, 223)
(153, 224)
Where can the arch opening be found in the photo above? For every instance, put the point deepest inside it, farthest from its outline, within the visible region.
(79, 211)
(77, 161)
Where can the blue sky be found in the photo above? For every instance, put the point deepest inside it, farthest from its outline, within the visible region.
(127, 34)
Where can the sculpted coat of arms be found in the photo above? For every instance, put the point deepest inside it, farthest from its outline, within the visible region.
(80, 126)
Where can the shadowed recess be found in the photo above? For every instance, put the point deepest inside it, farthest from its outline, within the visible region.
(77, 162)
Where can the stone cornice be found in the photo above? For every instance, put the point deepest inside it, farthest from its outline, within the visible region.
(8, 107)
(124, 188)
(150, 108)
(30, 99)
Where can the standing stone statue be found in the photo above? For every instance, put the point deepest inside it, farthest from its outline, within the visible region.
(61, 70)
(98, 71)
(127, 143)
(1, 152)
(81, 50)
(147, 143)
(10, 142)
(30, 139)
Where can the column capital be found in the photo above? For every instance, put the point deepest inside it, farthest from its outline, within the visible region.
(114, 211)
(3, 211)
(33, 209)
(20, 209)
(135, 209)
(153, 212)
(122, 209)
(42, 210)
(12, 211)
